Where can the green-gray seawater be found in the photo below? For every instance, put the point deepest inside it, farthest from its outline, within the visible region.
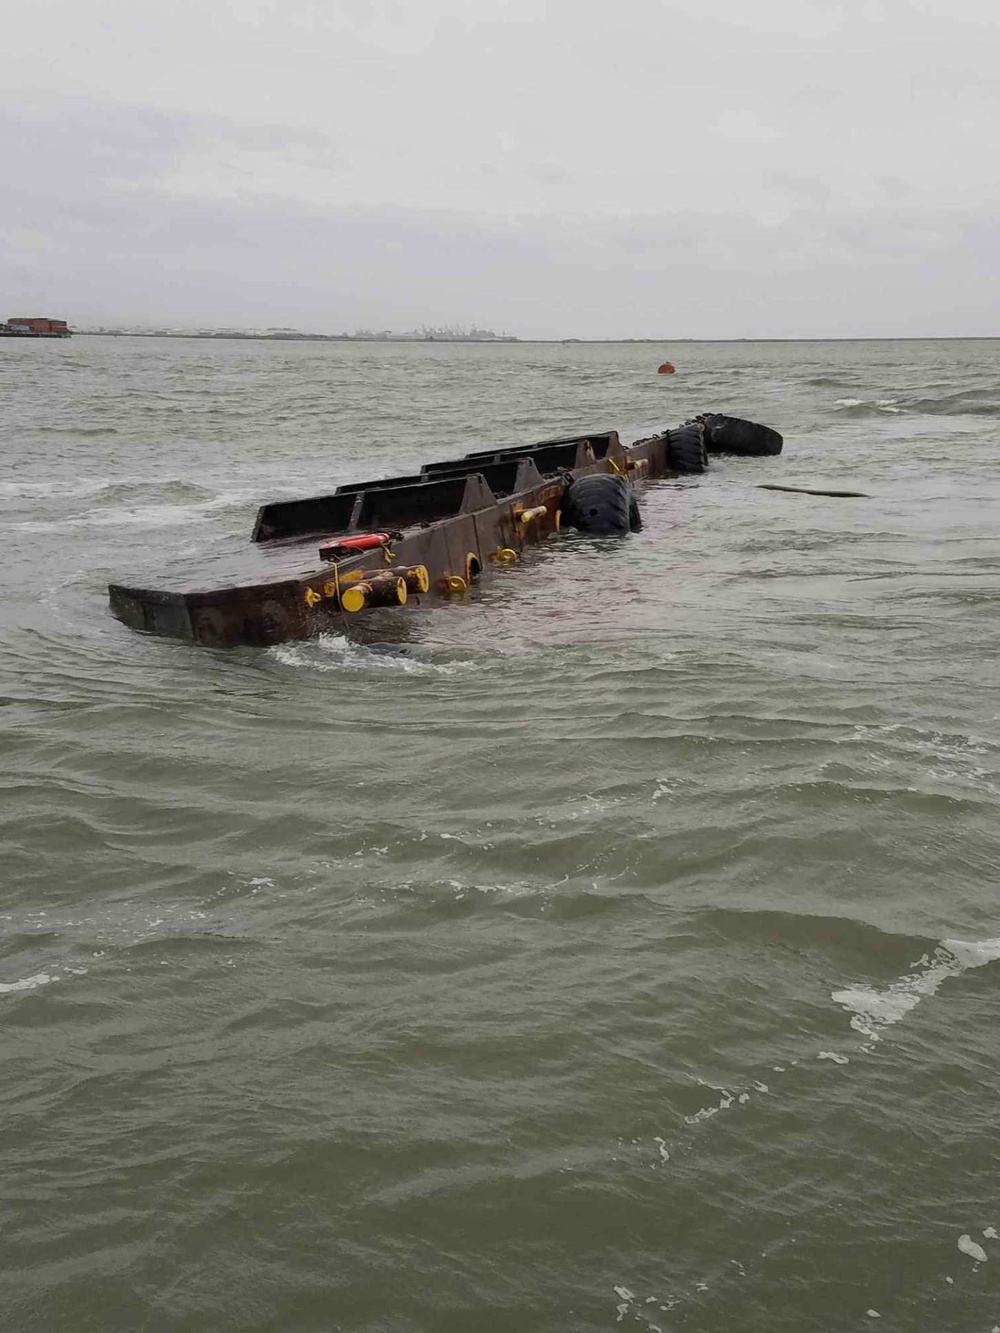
(618, 948)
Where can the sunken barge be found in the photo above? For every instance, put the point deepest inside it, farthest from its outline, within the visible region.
(319, 564)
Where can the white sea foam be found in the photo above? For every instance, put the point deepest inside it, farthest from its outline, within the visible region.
(626, 1298)
(15, 490)
(956, 758)
(875, 1010)
(146, 516)
(27, 983)
(726, 1100)
(517, 889)
(972, 1248)
(38, 979)
(331, 652)
(630, 1303)
(120, 924)
(706, 1112)
(882, 404)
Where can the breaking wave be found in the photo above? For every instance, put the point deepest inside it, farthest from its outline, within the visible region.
(874, 1010)
(963, 402)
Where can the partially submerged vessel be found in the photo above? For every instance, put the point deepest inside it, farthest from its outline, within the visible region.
(320, 563)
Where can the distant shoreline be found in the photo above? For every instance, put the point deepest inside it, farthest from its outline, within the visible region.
(523, 342)
(296, 337)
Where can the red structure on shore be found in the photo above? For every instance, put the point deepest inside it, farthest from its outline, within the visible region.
(36, 327)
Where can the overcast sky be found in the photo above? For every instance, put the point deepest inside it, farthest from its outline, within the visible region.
(647, 168)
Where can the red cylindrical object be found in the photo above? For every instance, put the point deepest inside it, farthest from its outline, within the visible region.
(349, 545)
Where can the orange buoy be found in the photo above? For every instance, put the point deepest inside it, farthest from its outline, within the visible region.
(665, 369)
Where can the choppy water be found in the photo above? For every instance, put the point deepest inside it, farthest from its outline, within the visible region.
(621, 948)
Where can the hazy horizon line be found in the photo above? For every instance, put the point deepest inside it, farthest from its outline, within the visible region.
(506, 341)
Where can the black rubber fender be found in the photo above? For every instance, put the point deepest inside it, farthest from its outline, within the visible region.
(733, 435)
(208, 625)
(686, 450)
(601, 504)
(274, 625)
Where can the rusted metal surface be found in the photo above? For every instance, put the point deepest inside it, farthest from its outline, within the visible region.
(446, 527)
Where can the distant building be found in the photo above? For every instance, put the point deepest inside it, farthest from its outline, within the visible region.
(35, 326)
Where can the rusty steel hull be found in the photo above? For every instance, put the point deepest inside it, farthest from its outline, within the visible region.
(449, 527)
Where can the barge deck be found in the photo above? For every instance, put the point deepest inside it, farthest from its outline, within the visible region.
(318, 564)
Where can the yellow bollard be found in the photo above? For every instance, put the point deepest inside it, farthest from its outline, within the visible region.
(383, 590)
(529, 515)
(416, 576)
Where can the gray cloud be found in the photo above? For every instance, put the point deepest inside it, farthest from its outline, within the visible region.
(718, 170)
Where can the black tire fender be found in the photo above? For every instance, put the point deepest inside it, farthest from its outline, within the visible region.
(686, 448)
(733, 435)
(601, 504)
